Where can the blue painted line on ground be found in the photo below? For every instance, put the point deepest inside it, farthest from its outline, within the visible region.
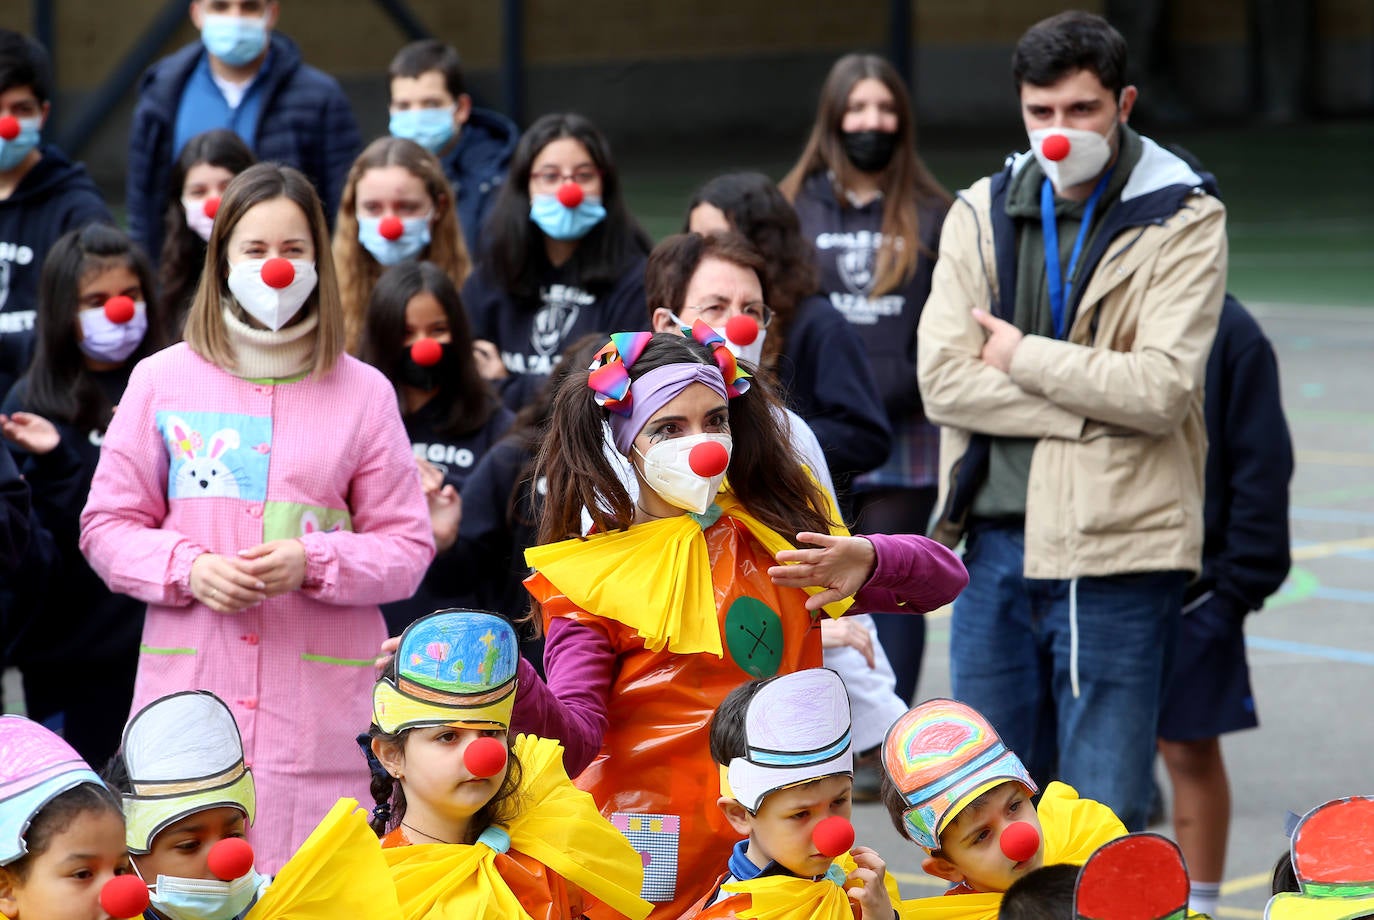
(1331, 516)
(1312, 651)
(1344, 594)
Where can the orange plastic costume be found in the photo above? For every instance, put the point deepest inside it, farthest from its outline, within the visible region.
(654, 777)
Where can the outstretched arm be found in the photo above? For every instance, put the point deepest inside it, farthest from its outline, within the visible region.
(881, 571)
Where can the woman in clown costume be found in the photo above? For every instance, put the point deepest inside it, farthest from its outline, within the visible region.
(687, 591)
(473, 825)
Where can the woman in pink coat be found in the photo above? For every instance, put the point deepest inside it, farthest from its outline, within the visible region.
(256, 489)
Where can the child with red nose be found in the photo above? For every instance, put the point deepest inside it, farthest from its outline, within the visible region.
(954, 789)
(786, 781)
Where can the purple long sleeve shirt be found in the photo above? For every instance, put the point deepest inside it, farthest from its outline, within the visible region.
(911, 572)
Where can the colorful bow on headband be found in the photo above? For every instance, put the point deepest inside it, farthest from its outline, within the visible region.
(610, 370)
(736, 378)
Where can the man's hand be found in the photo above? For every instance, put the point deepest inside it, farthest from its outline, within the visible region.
(1002, 340)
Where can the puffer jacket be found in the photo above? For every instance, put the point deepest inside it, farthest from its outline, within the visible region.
(306, 122)
(1116, 478)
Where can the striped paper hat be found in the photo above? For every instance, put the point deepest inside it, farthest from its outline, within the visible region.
(797, 730)
(36, 767)
(941, 756)
(453, 667)
(183, 754)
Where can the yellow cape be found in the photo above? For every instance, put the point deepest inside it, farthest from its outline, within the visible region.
(656, 577)
(786, 897)
(558, 825)
(338, 872)
(1072, 827)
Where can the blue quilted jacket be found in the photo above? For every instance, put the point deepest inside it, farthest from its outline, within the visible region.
(306, 122)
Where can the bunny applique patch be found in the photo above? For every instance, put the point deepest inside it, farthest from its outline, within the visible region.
(216, 454)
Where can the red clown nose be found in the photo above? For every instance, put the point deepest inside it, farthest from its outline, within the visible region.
(1055, 147)
(1020, 841)
(229, 859)
(570, 194)
(9, 127)
(211, 207)
(124, 897)
(119, 309)
(391, 227)
(426, 352)
(278, 273)
(833, 836)
(485, 757)
(742, 329)
(709, 458)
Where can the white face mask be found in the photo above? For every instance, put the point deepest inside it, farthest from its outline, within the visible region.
(197, 219)
(753, 352)
(1087, 155)
(668, 471)
(273, 307)
(204, 899)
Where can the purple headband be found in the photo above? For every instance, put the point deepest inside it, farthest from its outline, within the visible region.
(655, 390)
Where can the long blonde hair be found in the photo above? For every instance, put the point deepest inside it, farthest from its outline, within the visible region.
(905, 182)
(205, 331)
(358, 270)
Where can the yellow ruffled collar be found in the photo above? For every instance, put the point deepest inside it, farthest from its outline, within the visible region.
(558, 825)
(655, 577)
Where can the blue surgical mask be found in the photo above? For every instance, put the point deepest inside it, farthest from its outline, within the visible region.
(204, 899)
(414, 237)
(430, 128)
(235, 40)
(12, 152)
(563, 223)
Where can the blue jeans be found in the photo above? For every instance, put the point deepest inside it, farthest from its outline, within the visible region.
(1088, 717)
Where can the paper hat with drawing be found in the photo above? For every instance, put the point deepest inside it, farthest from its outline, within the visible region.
(797, 730)
(454, 667)
(941, 756)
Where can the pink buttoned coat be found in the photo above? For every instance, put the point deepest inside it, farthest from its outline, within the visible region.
(197, 460)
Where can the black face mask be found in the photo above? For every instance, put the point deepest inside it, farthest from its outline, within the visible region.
(869, 151)
(423, 377)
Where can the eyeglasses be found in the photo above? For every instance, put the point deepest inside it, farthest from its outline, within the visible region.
(717, 314)
(551, 178)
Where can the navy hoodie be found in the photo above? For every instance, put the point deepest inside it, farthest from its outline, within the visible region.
(55, 196)
(846, 240)
(72, 616)
(305, 122)
(476, 167)
(530, 337)
(825, 378)
(456, 458)
(1245, 555)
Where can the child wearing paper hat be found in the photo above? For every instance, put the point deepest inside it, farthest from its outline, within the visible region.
(786, 758)
(188, 802)
(1333, 859)
(61, 831)
(953, 788)
(473, 825)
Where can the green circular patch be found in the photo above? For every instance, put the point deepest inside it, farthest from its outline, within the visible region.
(753, 634)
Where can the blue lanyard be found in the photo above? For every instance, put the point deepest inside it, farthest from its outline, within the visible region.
(1054, 272)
